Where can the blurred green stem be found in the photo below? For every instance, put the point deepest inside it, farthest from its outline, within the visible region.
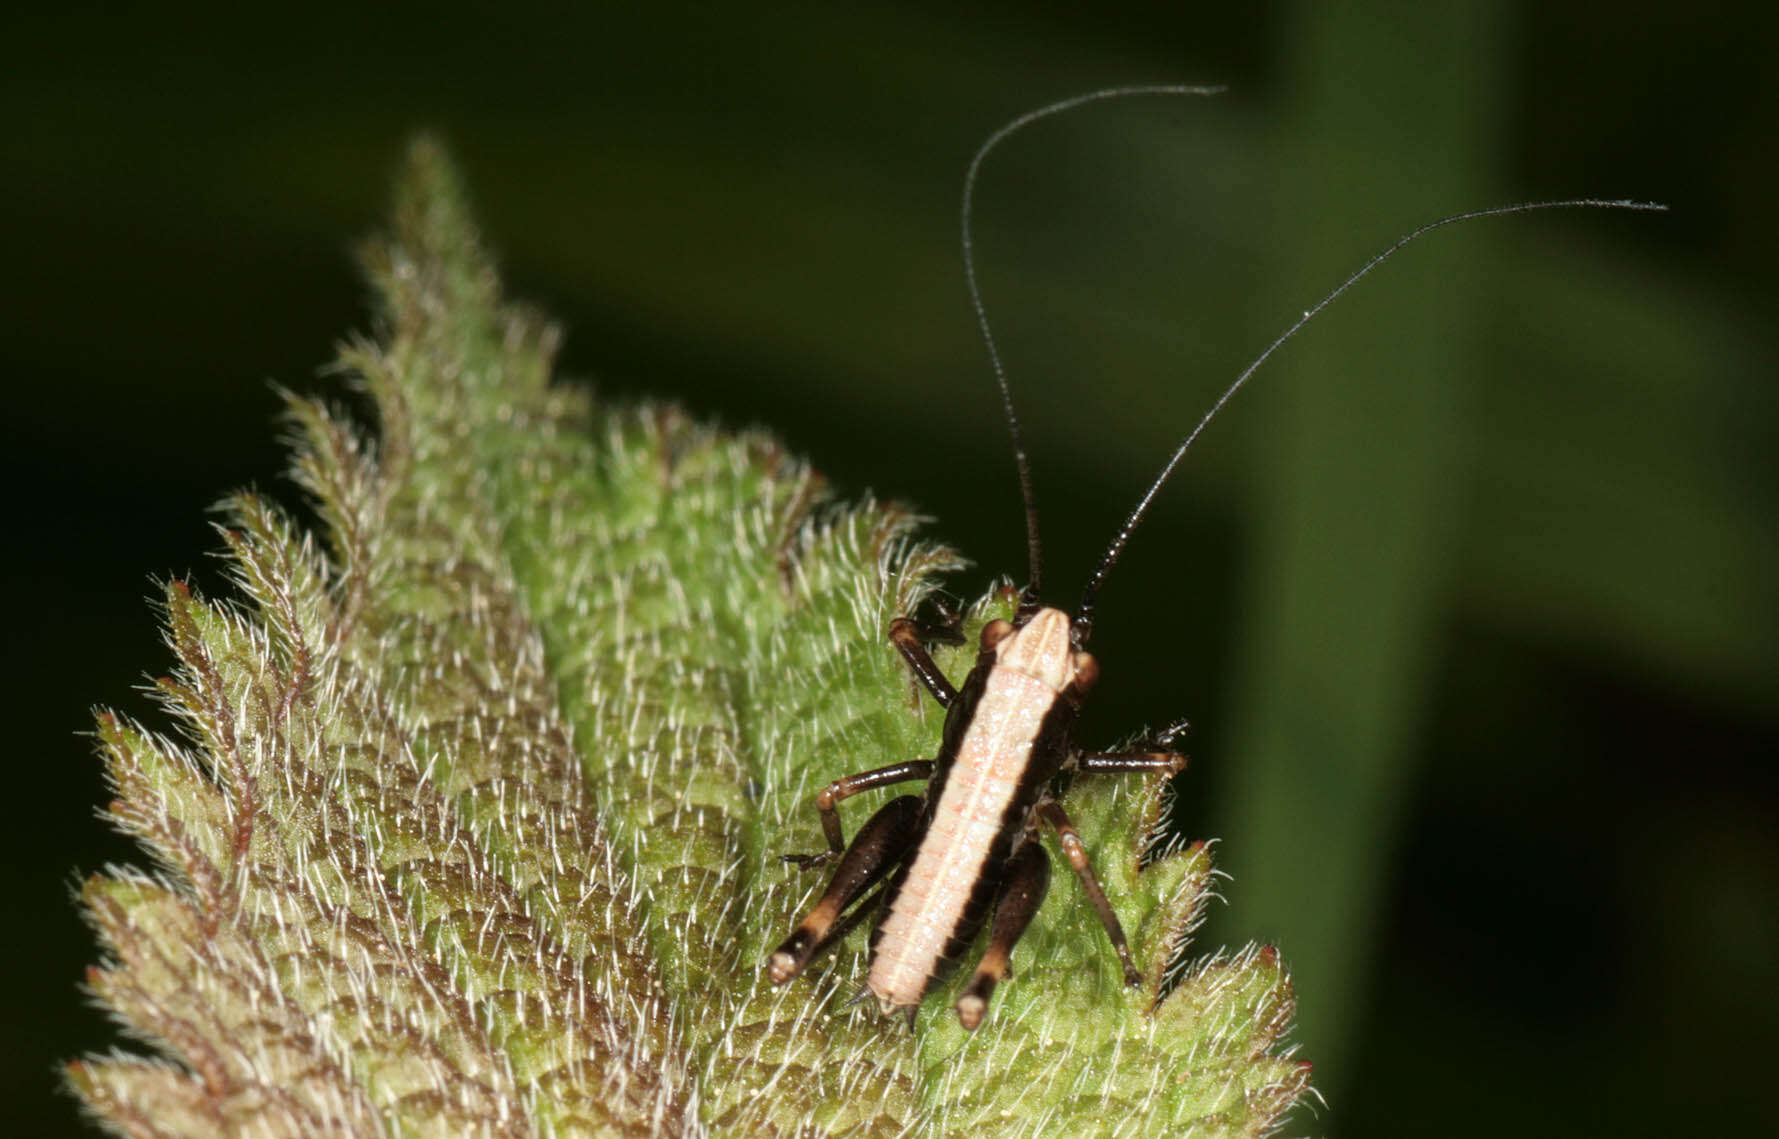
(1352, 536)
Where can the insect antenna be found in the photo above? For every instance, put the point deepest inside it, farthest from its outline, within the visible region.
(1083, 624)
(1029, 596)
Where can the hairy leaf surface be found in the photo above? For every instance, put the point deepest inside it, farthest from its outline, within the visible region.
(474, 819)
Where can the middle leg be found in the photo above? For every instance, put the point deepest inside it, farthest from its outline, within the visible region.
(829, 799)
(1158, 757)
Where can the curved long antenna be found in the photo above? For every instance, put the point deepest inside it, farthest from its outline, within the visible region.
(1084, 620)
(1028, 597)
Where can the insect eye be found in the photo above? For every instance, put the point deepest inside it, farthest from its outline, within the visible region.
(1087, 671)
(994, 633)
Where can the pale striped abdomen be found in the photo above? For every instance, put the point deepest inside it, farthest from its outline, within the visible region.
(937, 903)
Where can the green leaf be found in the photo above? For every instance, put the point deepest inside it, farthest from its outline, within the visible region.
(475, 822)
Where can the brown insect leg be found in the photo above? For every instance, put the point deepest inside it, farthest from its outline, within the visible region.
(828, 799)
(850, 922)
(881, 844)
(911, 639)
(1162, 762)
(1076, 852)
(1155, 758)
(1028, 876)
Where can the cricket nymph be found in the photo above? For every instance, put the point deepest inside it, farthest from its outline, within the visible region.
(1014, 715)
(969, 847)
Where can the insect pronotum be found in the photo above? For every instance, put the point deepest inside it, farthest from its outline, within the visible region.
(968, 847)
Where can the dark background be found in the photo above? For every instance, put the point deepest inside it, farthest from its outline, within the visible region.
(1472, 599)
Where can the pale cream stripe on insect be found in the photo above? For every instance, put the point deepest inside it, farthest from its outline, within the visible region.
(983, 780)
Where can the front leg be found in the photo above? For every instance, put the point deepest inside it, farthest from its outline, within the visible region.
(911, 639)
